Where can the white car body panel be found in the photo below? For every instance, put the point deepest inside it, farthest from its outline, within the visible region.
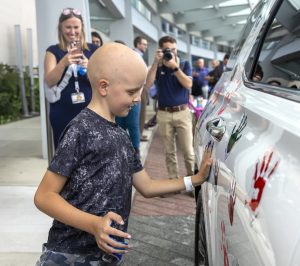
(267, 234)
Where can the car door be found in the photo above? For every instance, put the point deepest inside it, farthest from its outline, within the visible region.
(252, 126)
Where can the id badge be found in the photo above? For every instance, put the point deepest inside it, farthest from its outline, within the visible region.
(78, 97)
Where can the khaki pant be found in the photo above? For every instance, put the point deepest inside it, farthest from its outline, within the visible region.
(172, 126)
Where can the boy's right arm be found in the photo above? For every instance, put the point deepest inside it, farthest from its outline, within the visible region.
(48, 200)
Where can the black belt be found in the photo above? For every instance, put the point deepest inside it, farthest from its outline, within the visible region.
(172, 109)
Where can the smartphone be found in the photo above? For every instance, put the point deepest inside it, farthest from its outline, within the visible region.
(76, 47)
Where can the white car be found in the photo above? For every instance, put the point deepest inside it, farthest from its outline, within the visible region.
(248, 211)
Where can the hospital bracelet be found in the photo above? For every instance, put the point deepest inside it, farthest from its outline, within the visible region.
(188, 183)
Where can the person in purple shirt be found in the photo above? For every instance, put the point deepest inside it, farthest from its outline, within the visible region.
(200, 84)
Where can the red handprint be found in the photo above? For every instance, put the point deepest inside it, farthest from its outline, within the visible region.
(231, 200)
(224, 244)
(260, 179)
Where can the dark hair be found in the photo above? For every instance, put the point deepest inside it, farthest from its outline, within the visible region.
(119, 41)
(62, 18)
(165, 39)
(137, 40)
(97, 35)
(226, 56)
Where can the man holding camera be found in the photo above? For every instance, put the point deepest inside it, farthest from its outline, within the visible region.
(173, 80)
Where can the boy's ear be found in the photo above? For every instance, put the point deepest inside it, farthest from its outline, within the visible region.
(102, 87)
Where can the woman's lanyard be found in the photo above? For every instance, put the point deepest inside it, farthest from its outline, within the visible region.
(77, 97)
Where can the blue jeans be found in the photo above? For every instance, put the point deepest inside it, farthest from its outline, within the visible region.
(131, 122)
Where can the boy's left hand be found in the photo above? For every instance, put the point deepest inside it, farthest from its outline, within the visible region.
(105, 233)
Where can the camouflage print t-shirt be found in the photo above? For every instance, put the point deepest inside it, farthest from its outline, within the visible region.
(98, 159)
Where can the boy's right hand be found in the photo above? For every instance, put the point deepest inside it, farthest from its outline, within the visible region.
(105, 233)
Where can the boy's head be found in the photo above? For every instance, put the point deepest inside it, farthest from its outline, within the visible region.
(117, 75)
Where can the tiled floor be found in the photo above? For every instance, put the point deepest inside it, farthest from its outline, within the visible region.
(162, 228)
(178, 204)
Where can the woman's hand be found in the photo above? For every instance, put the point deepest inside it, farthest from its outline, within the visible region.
(73, 57)
(84, 61)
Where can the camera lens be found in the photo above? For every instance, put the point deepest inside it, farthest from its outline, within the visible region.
(167, 54)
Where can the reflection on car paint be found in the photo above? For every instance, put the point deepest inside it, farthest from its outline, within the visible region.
(224, 244)
(216, 172)
(209, 108)
(261, 178)
(236, 134)
(225, 103)
(231, 200)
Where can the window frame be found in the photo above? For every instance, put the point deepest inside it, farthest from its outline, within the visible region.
(279, 91)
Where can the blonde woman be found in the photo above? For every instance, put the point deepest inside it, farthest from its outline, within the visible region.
(65, 65)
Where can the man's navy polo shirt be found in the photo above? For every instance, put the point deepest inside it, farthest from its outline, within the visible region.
(170, 91)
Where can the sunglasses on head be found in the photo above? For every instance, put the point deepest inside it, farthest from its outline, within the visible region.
(68, 11)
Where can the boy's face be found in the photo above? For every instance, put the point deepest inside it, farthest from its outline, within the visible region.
(122, 97)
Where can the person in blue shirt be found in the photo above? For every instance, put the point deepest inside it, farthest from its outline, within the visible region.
(200, 84)
(87, 187)
(173, 79)
(62, 64)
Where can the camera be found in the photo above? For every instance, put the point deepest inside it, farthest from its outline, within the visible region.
(167, 54)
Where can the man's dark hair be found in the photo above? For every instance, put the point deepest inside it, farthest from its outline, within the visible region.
(226, 56)
(120, 41)
(137, 40)
(97, 35)
(164, 39)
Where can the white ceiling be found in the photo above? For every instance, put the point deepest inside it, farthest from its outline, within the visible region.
(215, 20)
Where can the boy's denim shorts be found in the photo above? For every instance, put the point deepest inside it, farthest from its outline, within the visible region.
(53, 258)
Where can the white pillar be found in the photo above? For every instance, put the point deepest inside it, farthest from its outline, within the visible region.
(47, 14)
(122, 29)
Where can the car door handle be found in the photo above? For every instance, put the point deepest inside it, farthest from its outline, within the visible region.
(216, 128)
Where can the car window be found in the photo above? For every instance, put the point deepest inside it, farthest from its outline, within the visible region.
(278, 63)
(251, 22)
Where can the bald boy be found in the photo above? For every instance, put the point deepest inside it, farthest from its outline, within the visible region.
(87, 186)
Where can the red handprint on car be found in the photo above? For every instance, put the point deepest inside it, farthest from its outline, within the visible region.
(260, 179)
(231, 200)
(224, 244)
(216, 172)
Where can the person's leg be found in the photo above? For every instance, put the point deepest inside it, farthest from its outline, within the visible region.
(167, 133)
(144, 98)
(133, 125)
(184, 129)
(58, 123)
(121, 121)
(53, 258)
(205, 89)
